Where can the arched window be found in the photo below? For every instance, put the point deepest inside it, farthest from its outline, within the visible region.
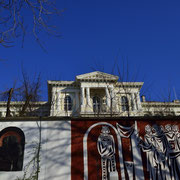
(96, 104)
(12, 142)
(68, 103)
(124, 103)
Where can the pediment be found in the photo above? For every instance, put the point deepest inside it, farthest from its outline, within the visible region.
(98, 76)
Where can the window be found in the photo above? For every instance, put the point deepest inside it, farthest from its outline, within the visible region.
(12, 142)
(67, 103)
(96, 104)
(124, 103)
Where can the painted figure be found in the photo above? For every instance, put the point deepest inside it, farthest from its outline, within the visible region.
(162, 148)
(106, 148)
(172, 135)
(148, 147)
(161, 155)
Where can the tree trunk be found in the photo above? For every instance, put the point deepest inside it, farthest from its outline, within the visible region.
(8, 111)
(25, 106)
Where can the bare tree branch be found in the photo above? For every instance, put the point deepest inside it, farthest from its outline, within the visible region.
(14, 22)
(27, 92)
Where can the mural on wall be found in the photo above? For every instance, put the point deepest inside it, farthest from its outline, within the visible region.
(162, 147)
(115, 150)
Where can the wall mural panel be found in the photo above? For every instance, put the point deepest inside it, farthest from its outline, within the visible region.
(114, 150)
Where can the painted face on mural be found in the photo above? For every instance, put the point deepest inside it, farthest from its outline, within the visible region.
(175, 128)
(168, 128)
(148, 129)
(105, 130)
(156, 129)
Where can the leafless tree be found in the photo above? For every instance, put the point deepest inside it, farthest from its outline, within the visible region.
(14, 21)
(29, 91)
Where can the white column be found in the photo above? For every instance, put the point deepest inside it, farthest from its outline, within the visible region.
(133, 103)
(88, 96)
(112, 96)
(82, 97)
(53, 102)
(58, 101)
(107, 97)
(138, 101)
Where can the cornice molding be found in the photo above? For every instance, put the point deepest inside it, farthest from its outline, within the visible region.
(97, 76)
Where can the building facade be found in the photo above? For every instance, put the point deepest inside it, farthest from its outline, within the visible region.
(95, 94)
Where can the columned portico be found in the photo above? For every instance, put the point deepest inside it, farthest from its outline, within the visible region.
(86, 95)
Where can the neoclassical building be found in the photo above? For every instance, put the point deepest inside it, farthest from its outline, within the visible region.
(96, 94)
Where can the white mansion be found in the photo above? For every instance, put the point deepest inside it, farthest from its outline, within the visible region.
(95, 94)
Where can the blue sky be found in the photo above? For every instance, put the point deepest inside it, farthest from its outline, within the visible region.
(98, 33)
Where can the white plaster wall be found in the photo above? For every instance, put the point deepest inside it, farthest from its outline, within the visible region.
(55, 156)
(56, 152)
